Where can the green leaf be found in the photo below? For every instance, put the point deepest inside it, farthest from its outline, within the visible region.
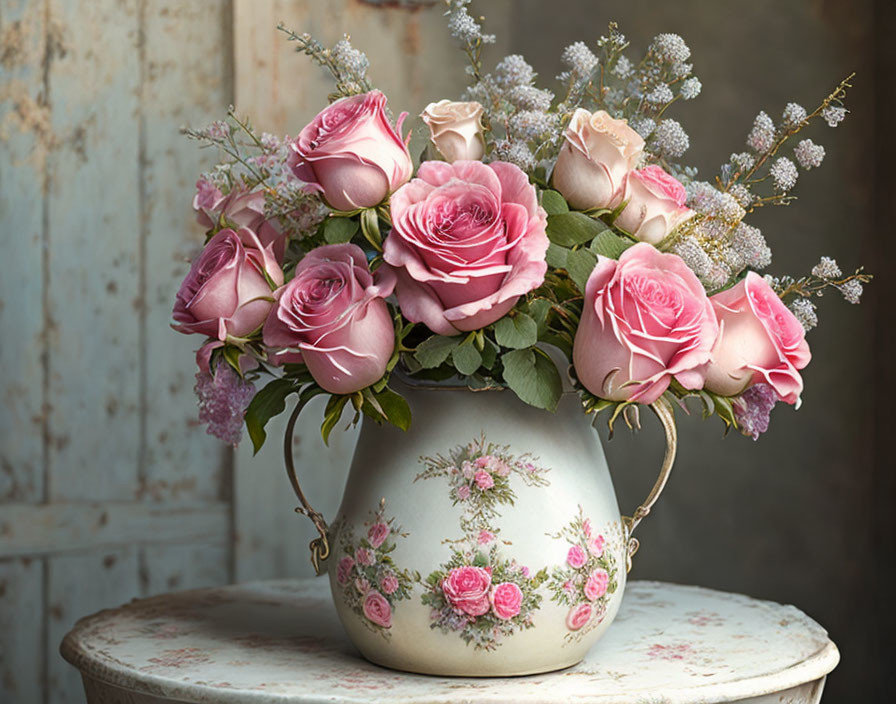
(434, 351)
(554, 203)
(466, 357)
(332, 414)
(580, 265)
(339, 230)
(232, 357)
(397, 411)
(539, 309)
(609, 244)
(517, 332)
(556, 256)
(533, 377)
(489, 354)
(370, 227)
(266, 404)
(571, 229)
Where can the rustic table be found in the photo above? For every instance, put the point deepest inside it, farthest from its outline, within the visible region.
(281, 642)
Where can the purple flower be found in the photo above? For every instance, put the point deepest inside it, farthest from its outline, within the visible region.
(223, 399)
(752, 409)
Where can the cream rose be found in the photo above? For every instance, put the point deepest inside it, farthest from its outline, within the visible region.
(597, 155)
(455, 129)
(655, 205)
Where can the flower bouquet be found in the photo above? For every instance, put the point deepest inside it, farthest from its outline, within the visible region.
(537, 240)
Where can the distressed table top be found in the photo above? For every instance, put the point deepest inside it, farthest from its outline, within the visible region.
(281, 642)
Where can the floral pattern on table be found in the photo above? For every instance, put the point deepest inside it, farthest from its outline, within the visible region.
(370, 582)
(586, 579)
(480, 594)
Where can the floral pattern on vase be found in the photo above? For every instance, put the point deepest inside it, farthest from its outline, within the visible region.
(480, 594)
(586, 579)
(370, 582)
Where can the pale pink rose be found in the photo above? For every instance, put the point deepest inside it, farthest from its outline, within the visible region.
(389, 583)
(586, 527)
(226, 293)
(377, 610)
(578, 616)
(466, 589)
(468, 239)
(760, 341)
(506, 600)
(596, 546)
(239, 208)
(364, 556)
(377, 534)
(525, 571)
(333, 311)
(569, 587)
(344, 570)
(655, 205)
(351, 154)
(362, 585)
(597, 155)
(483, 461)
(455, 129)
(485, 537)
(576, 557)
(646, 320)
(467, 469)
(483, 480)
(463, 492)
(597, 584)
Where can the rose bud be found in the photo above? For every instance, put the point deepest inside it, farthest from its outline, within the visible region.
(333, 312)
(646, 320)
(455, 129)
(597, 154)
(760, 341)
(227, 292)
(468, 239)
(655, 205)
(351, 154)
(240, 208)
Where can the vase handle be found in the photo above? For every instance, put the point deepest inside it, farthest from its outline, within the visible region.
(663, 410)
(320, 546)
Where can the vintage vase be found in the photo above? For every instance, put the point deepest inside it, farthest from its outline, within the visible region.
(485, 541)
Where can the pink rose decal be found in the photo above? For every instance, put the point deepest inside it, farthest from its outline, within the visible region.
(388, 584)
(576, 557)
(333, 312)
(506, 599)
(760, 341)
(344, 570)
(351, 154)
(485, 537)
(226, 293)
(586, 527)
(596, 546)
(578, 616)
(468, 239)
(655, 205)
(364, 556)
(377, 534)
(597, 584)
(646, 320)
(239, 208)
(467, 588)
(463, 492)
(483, 480)
(378, 610)
(362, 585)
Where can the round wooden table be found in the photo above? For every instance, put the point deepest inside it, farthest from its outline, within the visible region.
(281, 642)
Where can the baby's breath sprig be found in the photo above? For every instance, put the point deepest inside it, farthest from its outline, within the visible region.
(347, 65)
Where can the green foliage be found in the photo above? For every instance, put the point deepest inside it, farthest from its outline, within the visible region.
(466, 357)
(609, 244)
(553, 202)
(338, 230)
(532, 376)
(435, 350)
(266, 404)
(516, 331)
(573, 228)
(332, 414)
(579, 265)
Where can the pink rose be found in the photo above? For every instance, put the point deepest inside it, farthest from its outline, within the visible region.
(578, 616)
(364, 556)
(597, 584)
(655, 205)
(646, 320)
(569, 587)
(586, 527)
(389, 583)
(598, 153)
(576, 557)
(485, 537)
(463, 492)
(344, 570)
(506, 600)
(468, 239)
(760, 341)
(502, 469)
(239, 208)
(483, 480)
(362, 585)
(467, 469)
(483, 461)
(466, 589)
(226, 292)
(596, 546)
(351, 154)
(377, 610)
(455, 129)
(377, 534)
(334, 313)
